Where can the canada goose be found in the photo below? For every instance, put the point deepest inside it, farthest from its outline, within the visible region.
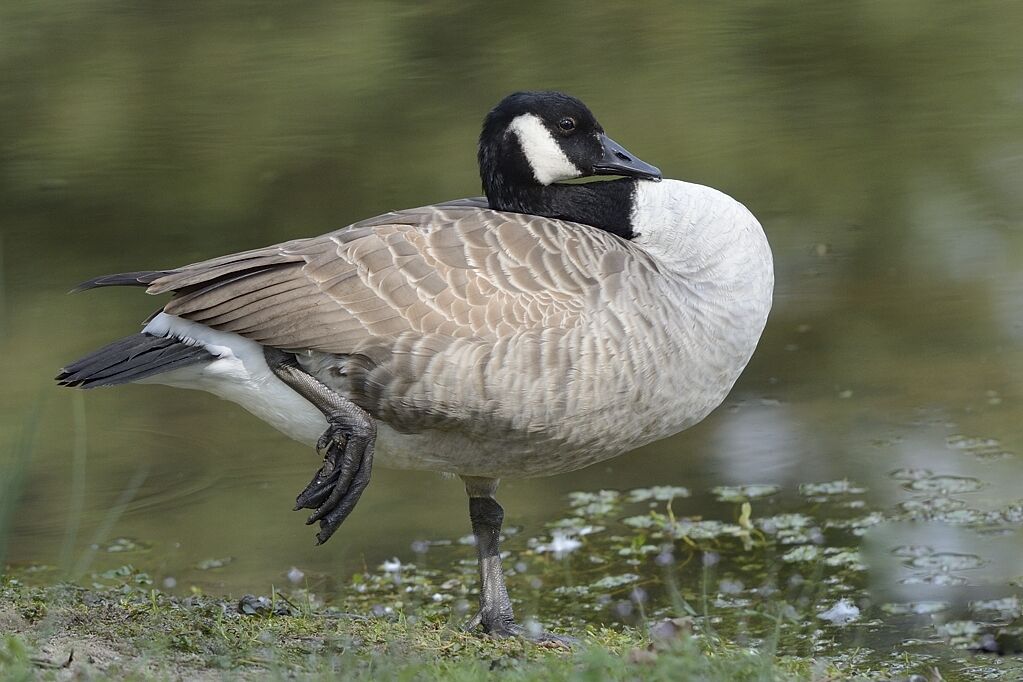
(536, 332)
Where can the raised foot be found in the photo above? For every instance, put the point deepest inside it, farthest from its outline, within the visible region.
(501, 627)
(335, 489)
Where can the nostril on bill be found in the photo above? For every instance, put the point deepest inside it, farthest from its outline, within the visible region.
(623, 157)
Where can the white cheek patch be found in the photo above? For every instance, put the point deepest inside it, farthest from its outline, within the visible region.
(542, 151)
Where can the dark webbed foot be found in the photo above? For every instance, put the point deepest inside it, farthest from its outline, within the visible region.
(503, 625)
(348, 440)
(337, 486)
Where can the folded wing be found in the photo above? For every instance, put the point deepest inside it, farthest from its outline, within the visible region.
(457, 270)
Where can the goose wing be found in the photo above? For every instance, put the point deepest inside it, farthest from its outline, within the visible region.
(457, 270)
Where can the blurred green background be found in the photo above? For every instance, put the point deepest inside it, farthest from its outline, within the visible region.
(880, 144)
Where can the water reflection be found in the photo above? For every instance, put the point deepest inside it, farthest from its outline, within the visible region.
(879, 143)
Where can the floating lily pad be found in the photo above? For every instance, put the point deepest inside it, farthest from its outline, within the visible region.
(937, 579)
(744, 493)
(643, 521)
(661, 493)
(1007, 607)
(123, 544)
(801, 553)
(947, 562)
(575, 525)
(910, 474)
(210, 564)
(932, 505)
(791, 529)
(1013, 513)
(841, 487)
(945, 485)
(610, 582)
(981, 448)
(849, 558)
(780, 522)
(638, 550)
(920, 608)
(967, 517)
(600, 503)
(858, 525)
(119, 572)
(963, 633)
(705, 529)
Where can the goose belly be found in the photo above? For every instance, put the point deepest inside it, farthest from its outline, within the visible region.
(534, 406)
(239, 374)
(545, 427)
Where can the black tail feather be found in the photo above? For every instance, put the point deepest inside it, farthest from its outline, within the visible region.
(142, 278)
(130, 359)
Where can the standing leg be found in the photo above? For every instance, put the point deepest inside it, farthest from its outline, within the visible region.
(495, 614)
(349, 439)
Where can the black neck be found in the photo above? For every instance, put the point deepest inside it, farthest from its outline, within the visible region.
(511, 186)
(605, 205)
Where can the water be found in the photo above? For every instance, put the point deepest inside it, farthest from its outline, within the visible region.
(880, 144)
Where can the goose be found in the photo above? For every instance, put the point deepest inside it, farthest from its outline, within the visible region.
(538, 330)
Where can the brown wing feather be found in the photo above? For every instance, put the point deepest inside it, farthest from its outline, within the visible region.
(455, 270)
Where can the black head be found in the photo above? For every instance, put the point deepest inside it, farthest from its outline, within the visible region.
(533, 139)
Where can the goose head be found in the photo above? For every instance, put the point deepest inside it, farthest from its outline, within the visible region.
(533, 140)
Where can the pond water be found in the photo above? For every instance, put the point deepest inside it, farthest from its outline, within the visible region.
(880, 144)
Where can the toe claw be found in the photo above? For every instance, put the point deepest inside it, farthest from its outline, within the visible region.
(339, 483)
(312, 498)
(319, 488)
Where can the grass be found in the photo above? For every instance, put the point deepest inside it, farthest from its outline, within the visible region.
(127, 629)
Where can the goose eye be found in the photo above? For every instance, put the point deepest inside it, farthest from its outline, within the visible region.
(567, 124)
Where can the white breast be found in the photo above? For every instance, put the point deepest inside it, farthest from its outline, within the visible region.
(716, 250)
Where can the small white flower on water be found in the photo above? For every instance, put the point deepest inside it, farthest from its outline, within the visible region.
(561, 544)
(437, 597)
(844, 611)
(392, 566)
(295, 575)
